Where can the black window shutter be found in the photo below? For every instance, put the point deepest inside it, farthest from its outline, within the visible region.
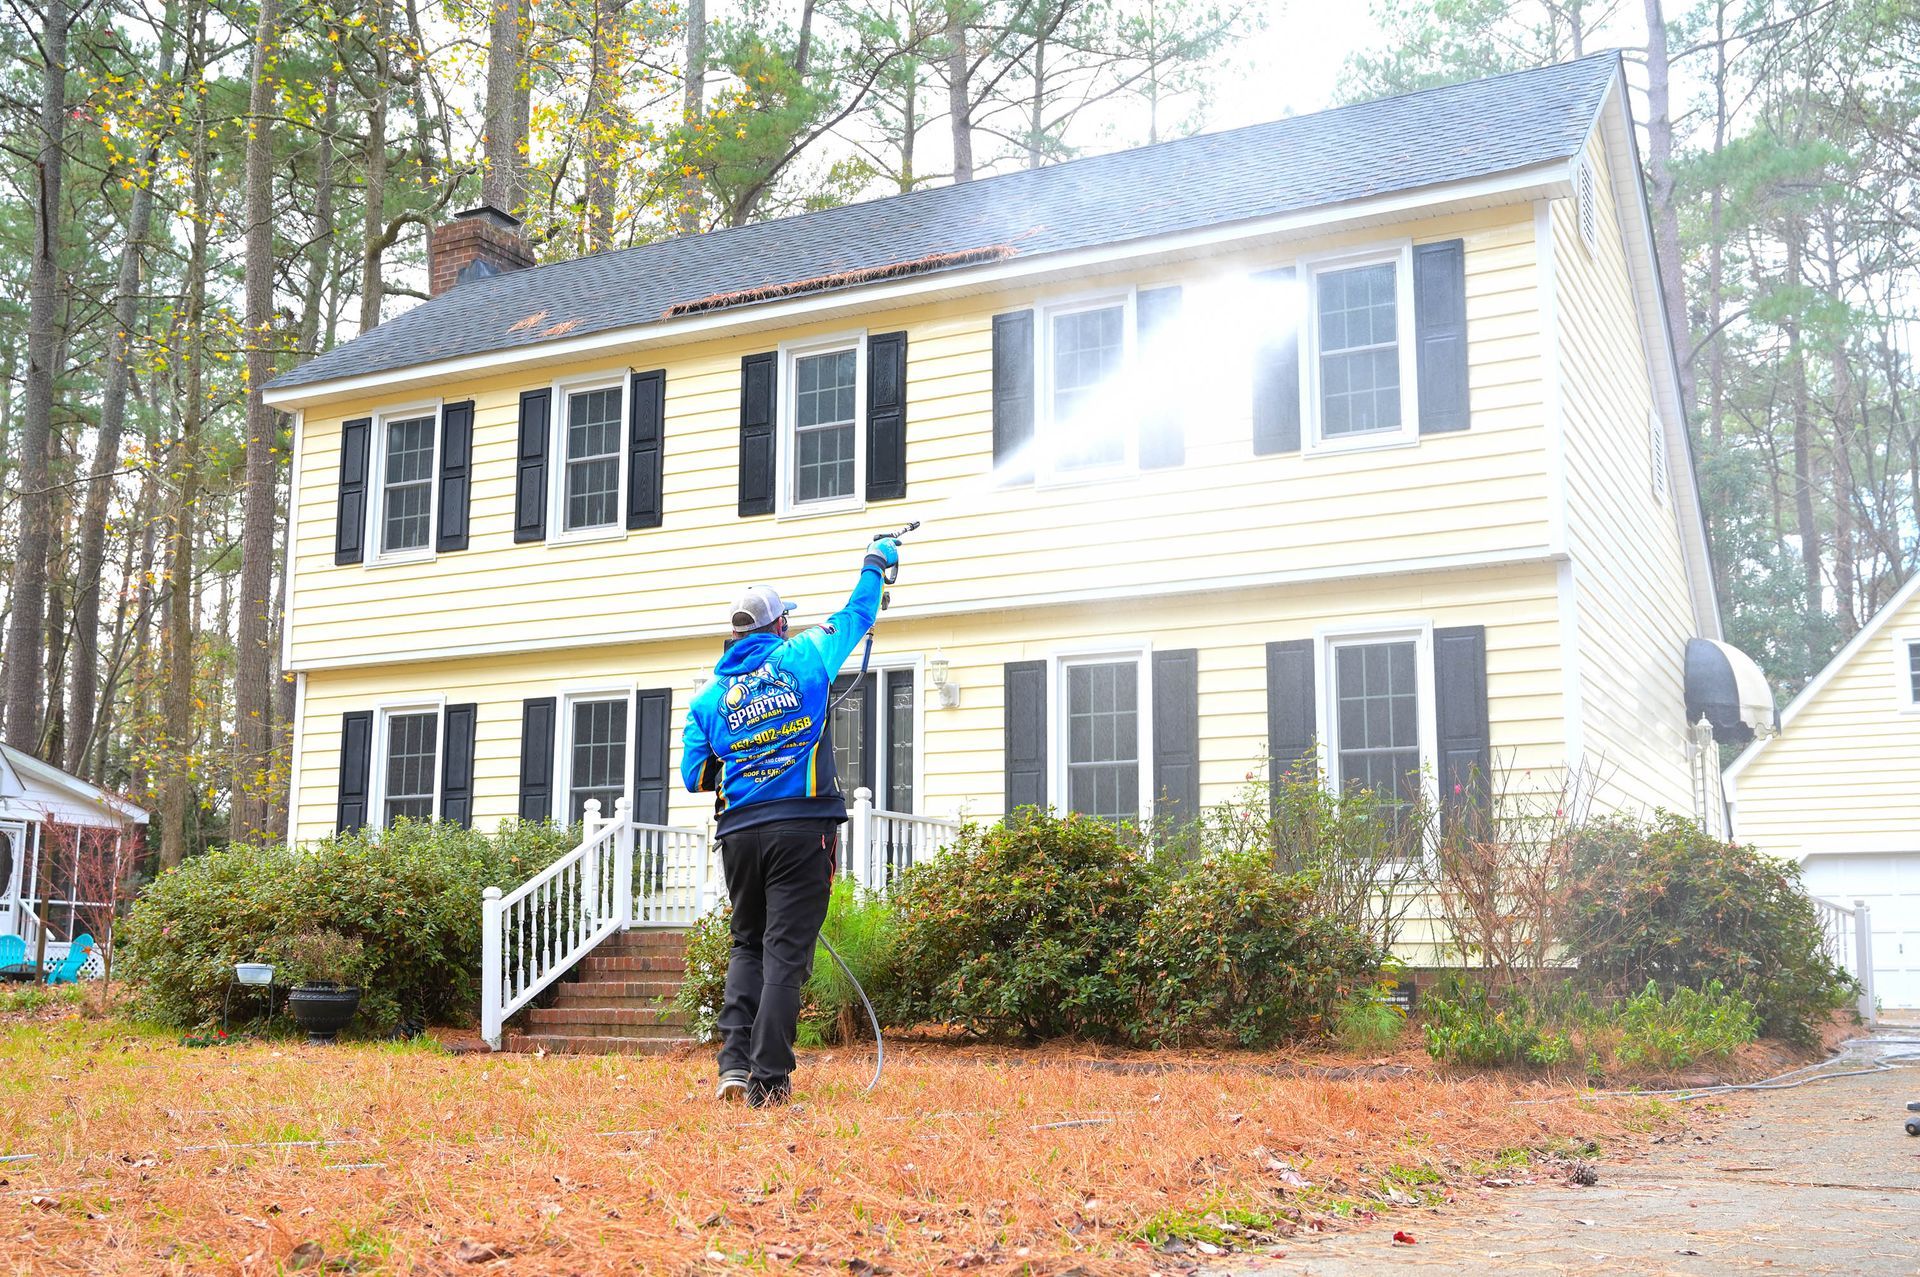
(1291, 718)
(456, 474)
(356, 761)
(758, 378)
(350, 515)
(456, 765)
(1462, 722)
(1026, 734)
(530, 479)
(1013, 392)
(1176, 735)
(886, 416)
(646, 449)
(652, 746)
(537, 720)
(1440, 334)
(1163, 440)
(1276, 373)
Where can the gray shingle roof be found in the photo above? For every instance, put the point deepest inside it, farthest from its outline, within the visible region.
(1449, 134)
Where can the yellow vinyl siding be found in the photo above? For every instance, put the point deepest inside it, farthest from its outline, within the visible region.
(1225, 515)
(1627, 575)
(1844, 773)
(961, 767)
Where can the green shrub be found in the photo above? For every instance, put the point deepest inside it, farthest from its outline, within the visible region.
(1230, 946)
(1466, 1024)
(861, 926)
(1671, 1033)
(1366, 1023)
(1668, 903)
(409, 896)
(1026, 929)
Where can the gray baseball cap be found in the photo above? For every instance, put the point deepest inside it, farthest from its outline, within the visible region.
(757, 607)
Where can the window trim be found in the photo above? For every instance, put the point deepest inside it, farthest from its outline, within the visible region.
(786, 425)
(1903, 645)
(377, 554)
(1108, 652)
(620, 379)
(1327, 641)
(383, 714)
(1399, 253)
(567, 698)
(1045, 473)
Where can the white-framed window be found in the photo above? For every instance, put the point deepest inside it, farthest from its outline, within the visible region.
(1377, 707)
(1360, 359)
(823, 440)
(1086, 346)
(589, 485)
(1102, 707)
(406, 451)
(1906, 671)
(405, 777)
(596, 744)
(875, 728)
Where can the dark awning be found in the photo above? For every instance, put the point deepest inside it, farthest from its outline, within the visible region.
(1725, 686)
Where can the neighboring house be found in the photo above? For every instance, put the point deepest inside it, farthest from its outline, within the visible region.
(1838, 790)
(47, 819)
(1357, 431)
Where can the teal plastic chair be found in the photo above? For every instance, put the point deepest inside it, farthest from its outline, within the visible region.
(67, 971)
(13, 951)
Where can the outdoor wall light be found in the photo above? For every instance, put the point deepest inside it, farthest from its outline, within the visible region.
(946, 692)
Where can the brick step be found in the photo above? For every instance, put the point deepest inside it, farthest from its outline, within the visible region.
(547, 1017)
(649, 1032)
(617, 988)
(601, 995)
(561, 1044)
(624, 966)
(637, 943)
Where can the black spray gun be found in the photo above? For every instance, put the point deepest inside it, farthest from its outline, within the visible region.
(892, 574)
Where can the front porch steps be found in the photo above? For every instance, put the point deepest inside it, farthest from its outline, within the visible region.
(620, 1004)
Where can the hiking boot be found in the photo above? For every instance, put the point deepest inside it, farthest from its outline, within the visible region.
(733, 1087)
(767, 1095)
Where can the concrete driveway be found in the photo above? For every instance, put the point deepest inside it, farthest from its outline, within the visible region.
(1818, 1179)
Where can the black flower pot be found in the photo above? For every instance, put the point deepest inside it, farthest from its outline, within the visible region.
(322, 1009)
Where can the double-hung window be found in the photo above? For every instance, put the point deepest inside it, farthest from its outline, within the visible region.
(823, 401)
(590, 479)
(1085, 413)
(405, 448)
(407, 768)
(595, 750)
(1360, 383)
(1906, 660)
(1101, 732)
(1380, 717)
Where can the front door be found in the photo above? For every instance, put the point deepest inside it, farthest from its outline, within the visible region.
(13, 855)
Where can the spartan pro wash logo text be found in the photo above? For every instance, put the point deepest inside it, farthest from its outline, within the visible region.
(759, 695)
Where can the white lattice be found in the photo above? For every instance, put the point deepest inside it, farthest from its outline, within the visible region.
(96, 964)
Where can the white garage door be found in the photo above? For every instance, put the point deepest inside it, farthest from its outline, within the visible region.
(1890, 884)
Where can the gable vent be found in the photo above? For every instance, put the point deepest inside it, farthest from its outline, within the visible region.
(1657, 446)
(1586, 204)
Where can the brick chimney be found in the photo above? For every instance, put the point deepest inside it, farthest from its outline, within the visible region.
(479, 242)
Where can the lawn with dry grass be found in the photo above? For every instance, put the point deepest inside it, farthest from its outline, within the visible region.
(129, 1153)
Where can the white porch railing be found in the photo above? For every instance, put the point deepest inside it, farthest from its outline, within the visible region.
(533, 934)
(878, 845)
(625, 875)
(1847, 932)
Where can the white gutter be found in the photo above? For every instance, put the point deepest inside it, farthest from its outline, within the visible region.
(1541, 181)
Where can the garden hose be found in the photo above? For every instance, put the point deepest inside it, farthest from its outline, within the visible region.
(879, 1045)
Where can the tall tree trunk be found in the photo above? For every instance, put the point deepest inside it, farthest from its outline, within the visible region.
(1716, 248)
(20, 669)
(1037, 106)
(253, 691)
(85, 679)
(1844, 481)
(503, 182)
(693, 111)
(373, 242)
(602, 122)
(1807, 529)
(1666, 216)
(803, 47)
(320, 250)
(959, 91)
(909, 124)
(141, 710)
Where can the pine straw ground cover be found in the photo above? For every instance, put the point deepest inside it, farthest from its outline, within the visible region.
(129, 1153)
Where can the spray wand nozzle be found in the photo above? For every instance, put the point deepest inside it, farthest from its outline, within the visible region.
(892, 574)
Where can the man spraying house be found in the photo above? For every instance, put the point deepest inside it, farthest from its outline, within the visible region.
(757, 736)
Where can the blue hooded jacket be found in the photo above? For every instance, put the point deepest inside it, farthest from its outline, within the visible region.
(757, 734)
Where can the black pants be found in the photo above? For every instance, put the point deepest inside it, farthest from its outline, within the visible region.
(779, 878)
